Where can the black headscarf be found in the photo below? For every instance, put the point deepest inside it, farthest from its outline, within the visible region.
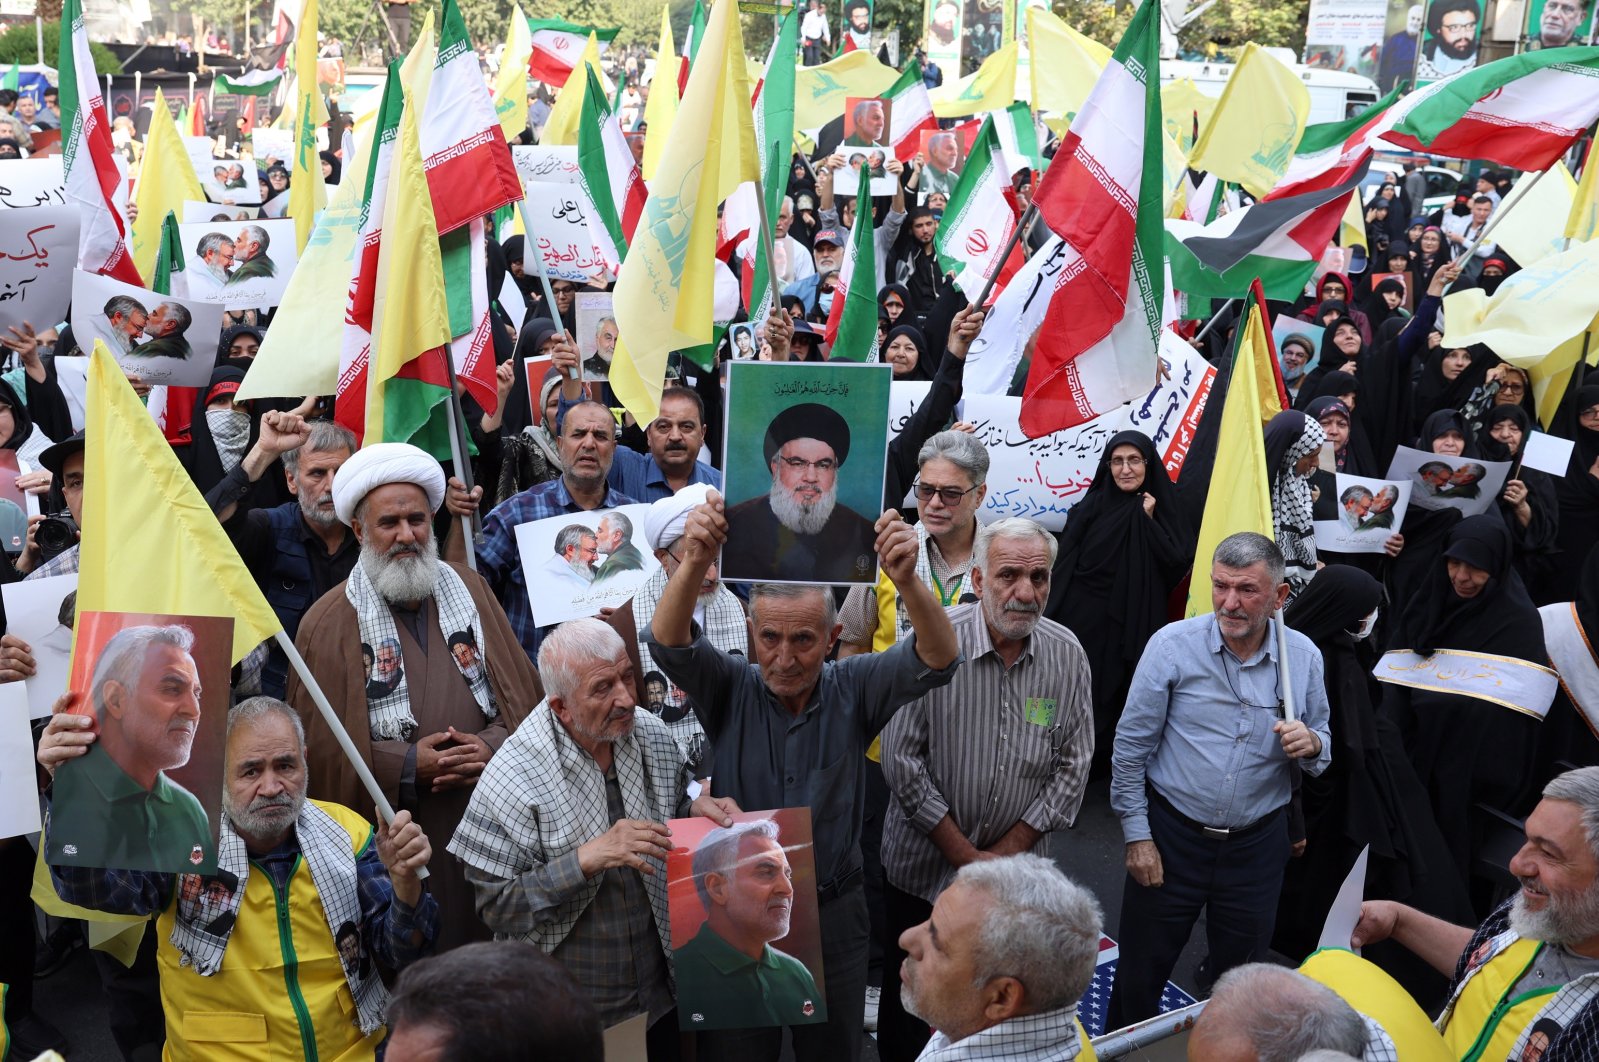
(1331, 360)
(1434, 392)
(1334, 603)
(514, 249)
(518, 412)
(332, 160)
(1376, 306)
(1327, 385)
(1499, 620)
(1446, 420)
(914, 334)
(21, 419)
(1356, 457)
(1492, 448)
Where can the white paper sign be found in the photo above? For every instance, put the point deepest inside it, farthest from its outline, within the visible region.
(38, 251)
(243, 264)
(577, 567)
(19, 779)
(1344, 914)
(561, 236)
(147, 333)
(905, 397)
(32, 183)
(269, 146)
(197, 210)
(1438, 481)
(224, 180)
(1547, 453)
(1043, 478)
(546, 164)
(37, 613)
(1365, 512)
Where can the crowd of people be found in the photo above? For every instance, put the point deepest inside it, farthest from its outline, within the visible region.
(939, 724)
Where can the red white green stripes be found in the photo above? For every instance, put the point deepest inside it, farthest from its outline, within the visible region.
(852, 323)
(96, 182)
(609, 174)
(557, 47)
(979, 219)
(912, 112)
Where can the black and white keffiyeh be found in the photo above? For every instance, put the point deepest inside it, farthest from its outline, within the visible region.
(1293, 524)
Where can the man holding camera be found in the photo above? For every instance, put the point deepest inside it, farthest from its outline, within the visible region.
(65, 462)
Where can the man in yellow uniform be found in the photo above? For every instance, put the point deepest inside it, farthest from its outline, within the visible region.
(314, 904)
(1526, 982)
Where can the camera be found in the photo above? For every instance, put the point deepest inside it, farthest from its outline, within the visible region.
(56, 534)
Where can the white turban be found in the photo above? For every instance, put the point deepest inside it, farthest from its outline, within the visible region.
(667, 518)
(381, 463)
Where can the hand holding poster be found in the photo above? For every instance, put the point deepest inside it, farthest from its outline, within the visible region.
(585, 561)
(742, 892)
(1439, 481)
(156, 690)
(161, 339)
(1366, 513)
(803, 504)
(38, 252)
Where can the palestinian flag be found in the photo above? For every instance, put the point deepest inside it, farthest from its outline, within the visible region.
(464, 154)
(250, 83)
(96, 180)
(606, 167)
(910, 113)
(349, 407)
(1102, 195)
(1280, 241)
(852, 324)
(557, 47)
(979, 219)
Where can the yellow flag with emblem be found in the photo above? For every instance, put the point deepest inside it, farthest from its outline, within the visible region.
(661, 107)
(820, 91)
(1583, 223)
(991, 87)
(1251, 137)
(663, 299)
(138, 502)
(1185, 110)
(1063, 64)
(510, 84)
(166, 180)
(561, 126)
(308, 191)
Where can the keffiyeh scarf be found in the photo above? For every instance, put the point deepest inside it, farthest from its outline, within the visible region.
(1292, 521)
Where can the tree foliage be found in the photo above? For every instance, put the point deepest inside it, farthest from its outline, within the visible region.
(1233, 23)
(20, 46)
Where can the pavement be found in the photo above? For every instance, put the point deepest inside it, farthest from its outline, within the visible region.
(1091, 853)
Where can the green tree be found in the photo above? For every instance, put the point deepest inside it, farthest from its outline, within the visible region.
(1233, 23)
(19, 46)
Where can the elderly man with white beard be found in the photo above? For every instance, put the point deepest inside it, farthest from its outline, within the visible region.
(429, 729)
(1526, 982)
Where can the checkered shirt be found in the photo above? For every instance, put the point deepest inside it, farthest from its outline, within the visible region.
(725, 627)
(542, 796)
(1052, 1036)
(63, 563)
(500, 563)
(1380, 1047)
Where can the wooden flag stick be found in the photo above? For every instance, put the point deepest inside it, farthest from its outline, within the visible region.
(767, 242)
(530, 251)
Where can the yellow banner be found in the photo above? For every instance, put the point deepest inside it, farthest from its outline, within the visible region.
(1257, 125)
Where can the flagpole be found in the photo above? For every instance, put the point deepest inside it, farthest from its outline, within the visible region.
(342, 736)
(530, 251)
(1289, 712)
(766, 229)
(1515, 196)
(1203, 332)
(1022, 225)
(463, 468)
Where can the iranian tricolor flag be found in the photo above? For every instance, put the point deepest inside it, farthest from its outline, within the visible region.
(464, 154)
(979, 219)
(466, 288)
(852, 323)
(349, 407)
(774, 138)
(910, 113)
(557, 47)
(1012, 319)
(1097, 347)
(96, 180)
(1279, 241)
(607, 170)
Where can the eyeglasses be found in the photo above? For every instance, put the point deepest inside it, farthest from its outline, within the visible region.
(1135, 461)
(799, 464)
(1459, 27)
(950, 496)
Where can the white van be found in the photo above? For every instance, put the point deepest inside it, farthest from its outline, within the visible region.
(1334, 95)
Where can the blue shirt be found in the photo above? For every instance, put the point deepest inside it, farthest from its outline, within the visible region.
(1198, 727)
(638, 476)
(499, 562)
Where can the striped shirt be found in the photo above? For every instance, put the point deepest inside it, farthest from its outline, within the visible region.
(995, 747)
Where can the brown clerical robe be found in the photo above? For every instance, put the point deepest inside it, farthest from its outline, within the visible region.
(330, 640)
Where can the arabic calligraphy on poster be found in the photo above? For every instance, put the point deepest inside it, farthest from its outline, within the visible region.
(559, 207)
(32, 183)
(1043, 478)
(38, 250)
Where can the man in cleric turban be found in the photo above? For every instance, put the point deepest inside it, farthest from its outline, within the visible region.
(427, 729)
(798, 532)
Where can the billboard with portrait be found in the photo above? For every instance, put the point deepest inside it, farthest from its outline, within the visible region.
(1450, 35)
(1558, 23)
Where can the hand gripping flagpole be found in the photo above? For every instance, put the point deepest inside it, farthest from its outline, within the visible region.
(342, 736)
(1290, 713)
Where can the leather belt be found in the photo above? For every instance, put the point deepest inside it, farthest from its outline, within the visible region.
(1214, 833)
(832, 890)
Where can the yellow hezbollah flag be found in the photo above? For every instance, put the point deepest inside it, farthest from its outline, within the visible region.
(308, 193)
(1063, 63)
(820, 91)
(1257, 125)
(138, 502)
(1352, 226)
(1534, 227)
(1185, 110)
(410, 312)
(1374, 994)
(510, 84)
(1584, 219)
(661, 106)
(116, 935)
(1532, 312)
(663, 298)
(991, 87)
(1240, 489)
(166, 179)
(1551, 376)
(561, 126)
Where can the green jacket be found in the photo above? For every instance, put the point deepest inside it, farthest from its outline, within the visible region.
(99, 817)
(719, 987)
(173, 346)
(253, 269)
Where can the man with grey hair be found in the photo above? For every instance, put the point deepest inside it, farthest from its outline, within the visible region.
(614, 539)
(126, 317)
(250, 254)
(215, 252)
(1001, 961)
(990, 764)
(297, 550)
(1539, 949)
(1261, 1012)
(790, 729)
(116, 807)
(794, 261)
(576, 554)
(728, 974)
(870, 125)
(564, 838)
(1201, 774)
(166, 326)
